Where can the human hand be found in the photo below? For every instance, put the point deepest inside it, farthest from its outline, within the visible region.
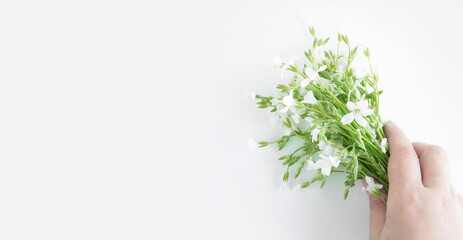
(422, 203)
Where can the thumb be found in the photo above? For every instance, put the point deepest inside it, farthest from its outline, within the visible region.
(377, 215)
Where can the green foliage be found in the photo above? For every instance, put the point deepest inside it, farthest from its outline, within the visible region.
(314, 104)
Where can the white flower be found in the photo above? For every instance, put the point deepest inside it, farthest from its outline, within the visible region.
(359, 110)
(326, 163)
(289, 102)
(311, 165)
(342, 64)
(328, 149)
(315, 133)
(309, 121)
(296, 118)
(252, 145)
(361, 66)
(384, 145)
(279, 64)
(372, 186)
(322, 145)
(309, 98)
(251, 95)
(291, 61)
(319, 53)
(312, 75)
(276, 63)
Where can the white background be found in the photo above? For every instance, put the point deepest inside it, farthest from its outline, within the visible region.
(127, 119)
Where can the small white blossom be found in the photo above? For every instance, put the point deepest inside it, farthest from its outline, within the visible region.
(276, 63)
(342, 64)
(319, 53)
(326, 163)
(288, 102)
(309, 98)
(384, 145)
(361, 66)
(292, 61)
(371, 185)
(315, 133)
(309, 121)
(311, 165)
(252, 145)
(312, 75)
(296, 118)
(287, 131)
(322, 145)
(358, 111)
(328, 149)
(279, 64)
(251, 95)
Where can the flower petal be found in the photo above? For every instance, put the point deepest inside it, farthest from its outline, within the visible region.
(334, 161)
(309, 72)
(351, 106)
(362, 105)
(369, 180)
(305, 82)
(326, 170)
(284, 110)
(311, 165)
(367, 112)
(348, 118)
(322, 68)
(309, 98)
(360, 120)
(314, 134)
(296, 118)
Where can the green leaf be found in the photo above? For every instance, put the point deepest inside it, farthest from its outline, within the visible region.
(306, 184)
(345, 39)
(367, 52)
(323, 181)
(312, 31)
(286, 176)
(346, 192)
(326, 41)
(283, 87)
(299, 169)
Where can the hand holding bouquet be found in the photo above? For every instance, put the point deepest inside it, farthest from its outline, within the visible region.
(331, 104)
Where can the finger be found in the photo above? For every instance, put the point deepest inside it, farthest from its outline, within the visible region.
(461, 200)
(377, 214)
(403, 166)
(452, 190)
(434, 165)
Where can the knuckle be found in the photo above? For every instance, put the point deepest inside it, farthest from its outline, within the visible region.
(412, 198)
(437, 151)
(376, 203)
(406, 151)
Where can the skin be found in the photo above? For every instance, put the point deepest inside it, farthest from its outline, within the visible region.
(422, 203)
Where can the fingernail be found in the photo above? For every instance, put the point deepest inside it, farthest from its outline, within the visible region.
(389, 122)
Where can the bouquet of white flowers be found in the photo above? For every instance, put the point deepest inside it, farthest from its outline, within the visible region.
(331, 104)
